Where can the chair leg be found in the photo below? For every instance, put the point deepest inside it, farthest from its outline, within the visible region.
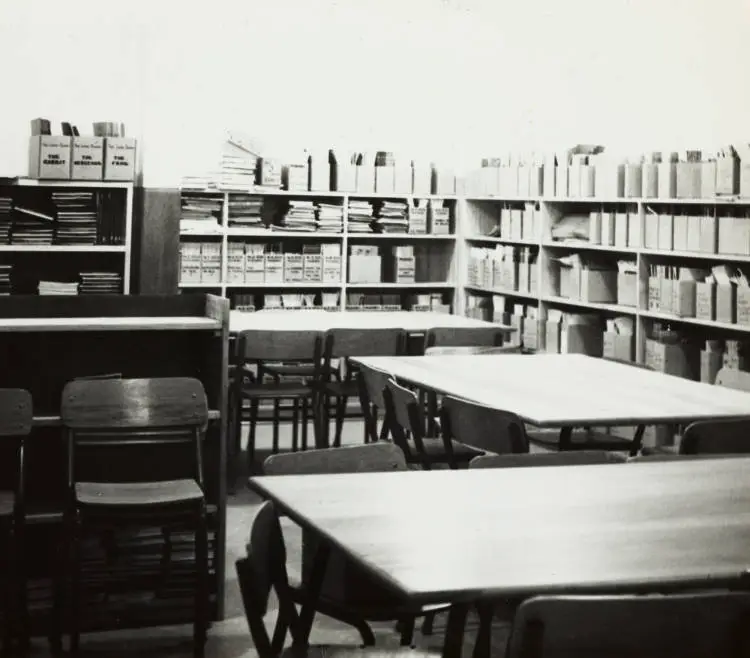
(407, 631)
(74, 629)
(60, 570)
(9, 583)
(428, 623)
(305, 421)
(251, 435)
(295, 425)
(200, 624)
(276, 423)
(340, 415)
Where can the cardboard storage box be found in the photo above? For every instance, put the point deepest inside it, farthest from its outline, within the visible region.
(609, 180)
(669, 358)
(711, 363)
(515, 224)
(627, 288)
(524, 180)
(552, 336)
(531, 333)
(683, 298)
(705, 300)
(561, 182)
(654, 294)
(345, 177)
(726, 302)
(422, 179)
(608, 229)
(708, 180)
(651, 231)
(666, 232)
(295, 177)
(693, 233)
(665, 295)
(598, 285)
(650, 182)
(688, 177)
(403, 179)
(550, 170)
(621, 229)
(536, 180)
(320, 173)
(667, 180)
(618, 346)
(634, 230)
(633, 180)
(743, 305)
(680, 234)
(588, 181)
(727, 175)
(119, 158)
(49, 157)
(581, 334)
(87, 158)
(708, 234)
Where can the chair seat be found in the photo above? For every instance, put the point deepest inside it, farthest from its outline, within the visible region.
(7, 503)
(344, 651)
(138, 493)
(435, 450)
(272, 391)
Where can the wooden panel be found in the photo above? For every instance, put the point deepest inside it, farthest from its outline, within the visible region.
(157, 240)
(98, 306)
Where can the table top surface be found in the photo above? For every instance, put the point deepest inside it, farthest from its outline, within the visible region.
(467, 534)
(573, 390)
(315, 320)
(122, 323)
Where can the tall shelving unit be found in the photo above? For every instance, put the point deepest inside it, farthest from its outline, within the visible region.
(437, 258)
(65, 258)
(482, 214)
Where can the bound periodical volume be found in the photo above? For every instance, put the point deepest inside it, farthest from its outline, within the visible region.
(6, 210)
(100, 283)
(76, 218)
(5, 284)
(200, 212)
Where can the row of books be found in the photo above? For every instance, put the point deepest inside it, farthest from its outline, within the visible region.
(91, 283)
(65, 218)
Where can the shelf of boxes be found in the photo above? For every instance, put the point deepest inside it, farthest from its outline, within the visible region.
(624, 226)
(58, 219)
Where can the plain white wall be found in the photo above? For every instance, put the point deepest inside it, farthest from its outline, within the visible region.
(444, 80)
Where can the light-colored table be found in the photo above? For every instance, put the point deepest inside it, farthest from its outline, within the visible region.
(568, 390)
(485, 534)
(313, 320)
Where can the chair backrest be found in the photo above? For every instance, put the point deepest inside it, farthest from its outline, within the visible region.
(371, 383)
(463, 337)
(282, 345)
(568, 458)
(483, 427)
(264, 569)
(135, 412)
(16, 412)
(697, 625)
(405, 418)
(734, 379)
(364, 342)
(716, 437)
(476, 349)
(369, 458)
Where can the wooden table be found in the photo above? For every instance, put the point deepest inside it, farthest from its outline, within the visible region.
(505, 533)
(568, 390)
(315, 320)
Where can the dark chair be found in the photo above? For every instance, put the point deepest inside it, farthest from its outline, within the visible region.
(469, 350)
(489, 429)
(343, 578)
(700, 625)
(405, 416)
(340, 344)
(464, 337)
(109, 421)
(716, 438)
(574, 458)
(263, 570)
(256, 349)
(372, 383)
(16, 417)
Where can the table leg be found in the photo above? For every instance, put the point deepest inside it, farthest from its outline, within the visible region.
(312, 593)
(454, 632)
(637, 444)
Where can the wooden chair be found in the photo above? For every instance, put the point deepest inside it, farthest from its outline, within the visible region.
(255, 349)
(135, 418)
(372, 383)
(262, 570)
(469, 350)
(495, 431)
(696, 625)
(379, 457)
(16, 417)
(344, 343)
(463, 337)
(405, 416)
(574, 458)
